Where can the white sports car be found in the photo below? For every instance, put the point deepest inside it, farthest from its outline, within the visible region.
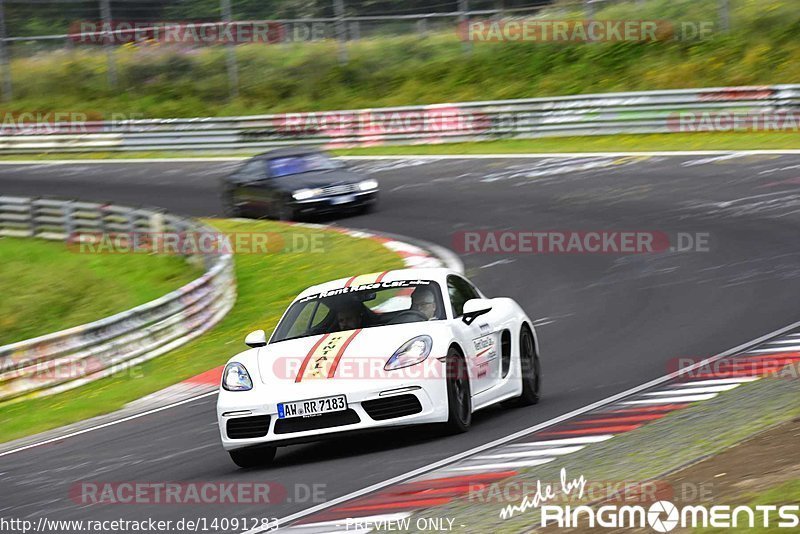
(403, 347)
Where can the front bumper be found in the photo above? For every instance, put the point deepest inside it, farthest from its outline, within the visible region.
(335, 203)
(254, 405)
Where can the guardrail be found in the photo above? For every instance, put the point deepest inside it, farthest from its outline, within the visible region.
(596, 114)
(70, 358)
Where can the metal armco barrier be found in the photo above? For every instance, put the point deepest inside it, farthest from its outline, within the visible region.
(598, 114)
(70, 358)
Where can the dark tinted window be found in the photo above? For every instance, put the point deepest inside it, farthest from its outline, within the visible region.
(253, 170)
(289, 165)
(460, 291)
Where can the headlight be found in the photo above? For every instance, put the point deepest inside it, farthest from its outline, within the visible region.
(305, 194)
(367, 185)
(236, 378)
(412, 352)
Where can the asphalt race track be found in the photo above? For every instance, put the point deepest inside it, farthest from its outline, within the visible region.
(608, 321)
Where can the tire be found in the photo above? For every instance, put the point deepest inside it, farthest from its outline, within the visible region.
(285, 213)
(531, 370)
(253, 456)
(232, 211)
(459, 393)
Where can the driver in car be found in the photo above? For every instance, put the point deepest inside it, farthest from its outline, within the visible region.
(424, 301)
(349, 316)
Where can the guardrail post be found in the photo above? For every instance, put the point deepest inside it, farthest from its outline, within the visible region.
(5, 64)
(341, 31)
(463, 20)
(34, 225)
(354, 30)
(422, 26)
(156, 223)
(68, 212)
(230, 51)
(724, 15)
(105, 12)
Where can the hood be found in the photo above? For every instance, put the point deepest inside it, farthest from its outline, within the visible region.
(310, 180)
(349, 354)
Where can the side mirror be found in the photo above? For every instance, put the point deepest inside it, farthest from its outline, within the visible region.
(256, 339)
(474, 308)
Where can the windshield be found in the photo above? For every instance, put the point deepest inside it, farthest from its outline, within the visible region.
(302, 163)
(366, 306)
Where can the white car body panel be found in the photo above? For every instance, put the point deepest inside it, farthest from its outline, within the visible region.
(274, 368)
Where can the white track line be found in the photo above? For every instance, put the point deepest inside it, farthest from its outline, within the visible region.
(716, 381)
(533, 453)
(586, 440)
(694, 390)
(501, 466)
(791, 348)
(526, 431)
(671, 400)
(783, 342)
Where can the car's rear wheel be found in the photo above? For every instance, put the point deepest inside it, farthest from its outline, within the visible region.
(531, 369)
(459, 394)
(253, 456)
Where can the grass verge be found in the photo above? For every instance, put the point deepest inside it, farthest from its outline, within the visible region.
(603, 143)
(266, 284)
(47, 288)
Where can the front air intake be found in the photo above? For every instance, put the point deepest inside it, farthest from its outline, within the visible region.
(248, 427)
(391, 407)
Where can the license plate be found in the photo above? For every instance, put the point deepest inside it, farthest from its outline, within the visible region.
(344, 199)
(310, 407)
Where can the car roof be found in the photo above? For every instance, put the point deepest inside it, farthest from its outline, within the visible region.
(288, 152)
(436, 274)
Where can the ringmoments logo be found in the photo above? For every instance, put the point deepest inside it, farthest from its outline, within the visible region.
(660, 516)
(664, 516)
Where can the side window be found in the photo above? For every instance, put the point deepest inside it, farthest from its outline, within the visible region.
(311, 316)
(460, 291)
(253, 170)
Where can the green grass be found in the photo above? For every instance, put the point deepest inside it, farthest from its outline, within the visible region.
(46, 287)
(761, 48)
(266, 285)
(605, 143)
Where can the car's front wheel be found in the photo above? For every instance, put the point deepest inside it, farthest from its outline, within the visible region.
(253, 456)
(459, 394)
(232, 210)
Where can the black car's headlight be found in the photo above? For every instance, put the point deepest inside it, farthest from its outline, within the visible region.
(368, 185)
(412, 352)
(236, 378)
(305, 194)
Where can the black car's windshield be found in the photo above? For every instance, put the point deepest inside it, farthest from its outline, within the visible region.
(365, 306)
(288, 165)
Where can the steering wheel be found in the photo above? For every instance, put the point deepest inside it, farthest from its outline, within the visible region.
(408, 316)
